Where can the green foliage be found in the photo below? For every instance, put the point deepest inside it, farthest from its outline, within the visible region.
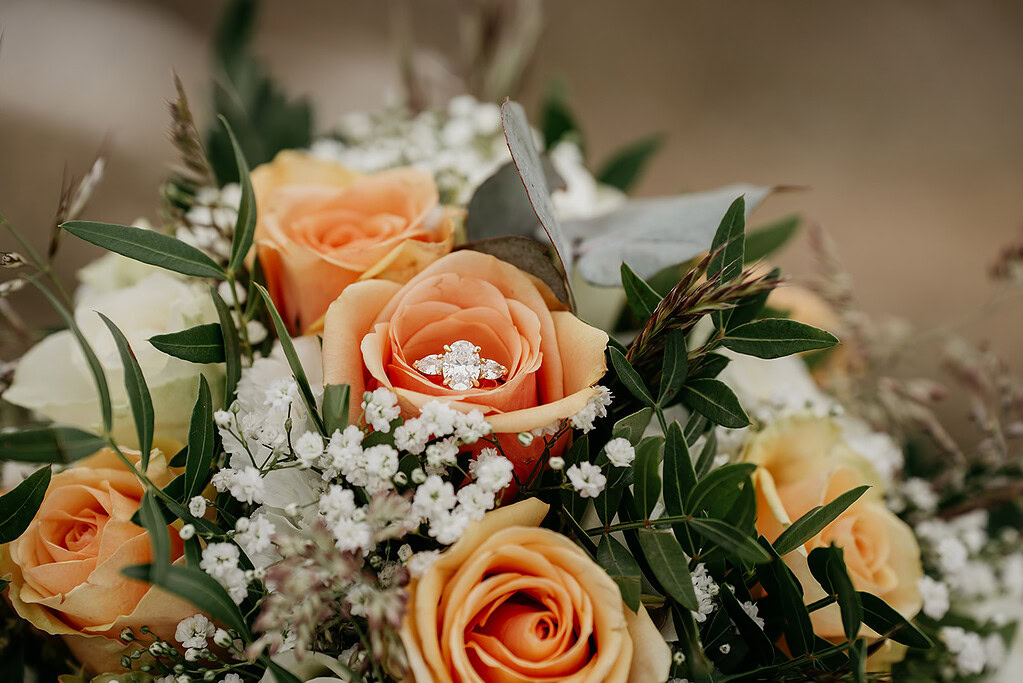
(557, 121)
(49, 444)
(138, 392)
(828, 566)
(882, 617)
(620, 566)
(714, 400)
(336, 399)
(201, 443)
(199, 344)
(245, 225)
(669, 565)
(674, 367)
(19, 506)
(625, 166)
(641, 297)
(232, 346)
(156, 526)
(630, 378)
(776, 337)
(766, 240)
(812, 522)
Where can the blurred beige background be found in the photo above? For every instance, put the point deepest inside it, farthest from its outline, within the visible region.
(902, 118)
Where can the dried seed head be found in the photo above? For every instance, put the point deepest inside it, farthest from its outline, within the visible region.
(11, 259)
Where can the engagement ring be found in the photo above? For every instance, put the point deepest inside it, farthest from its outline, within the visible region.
(461, 366)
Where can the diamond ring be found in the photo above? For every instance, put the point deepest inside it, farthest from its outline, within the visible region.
(461, 366)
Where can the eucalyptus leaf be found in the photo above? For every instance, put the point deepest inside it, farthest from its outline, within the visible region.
(336, 398)
(245, 225)
(828, 566)
(528, 255)
(139, 400)
(669, 565)
(198, 588)
(293, 361)
(199, 344)
(653, 233)
(147, 246)
(48, 444)
(641, 297)
(626, 165)
(527, 161)
(776, 337)
(19, 505)
(629, 377)
(714, 400)
(622, 568)
(500, 206)
(200, 442)
(815, 520)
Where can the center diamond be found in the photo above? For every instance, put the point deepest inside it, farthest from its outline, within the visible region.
(461, 365)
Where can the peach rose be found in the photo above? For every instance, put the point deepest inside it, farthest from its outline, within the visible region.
(322, 227)
(376, 330)
(512, 603)
(803, 462)
(65, 569)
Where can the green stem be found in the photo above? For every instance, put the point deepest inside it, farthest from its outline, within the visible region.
(37, 262)
(641, 524)
(243, 328)
(820, 604)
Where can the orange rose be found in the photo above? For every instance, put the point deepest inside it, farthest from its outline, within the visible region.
(321, 227)
(512, 603)
(65, 570)
(803, 462)
(376, 330)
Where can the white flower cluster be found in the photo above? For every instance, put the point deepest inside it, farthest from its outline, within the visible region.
(209, 223)
(973, 653)
(381, 407)
(220, 560)
(706, 589)
(439, 420)
(447, 513)
(953, 549)
(596, 407)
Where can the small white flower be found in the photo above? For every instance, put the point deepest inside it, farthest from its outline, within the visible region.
(475, 501)
(952, 554)
(448, 527)
(192, 654)
(256, 332)
(491, 470)
(309, 449)
(753, 611)
(197, 506)
(556, 463)
(587, 479)
(411, 436)
(405, 552)
(256, 538)
(433, 498)
(705, 589)
(525, 438)
(222, 638)
(223, 418)
(620, 452)
(193, 631)
(441, 454)
(438, 418)
(187, 532)
(470, 427)
(968, 648)
(231, 678)
(218, 559)
(381, 406)
(421, 561)
(725, 648)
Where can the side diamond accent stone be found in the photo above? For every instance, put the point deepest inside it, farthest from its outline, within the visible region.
(431, 365)
(491, 369)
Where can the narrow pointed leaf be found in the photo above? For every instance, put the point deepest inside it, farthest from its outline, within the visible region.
(49, 444)
(629, 377)
(679, 476)
(730, 238)
(779, 582)
(624, 168)
(714, 400)
(232, 347)
(622, 568)
(19, 505)
(245, 226)
(722, 479)
(147, 246)
(200, 442)
(731, 540)
(882, 617)
(138, 392)
(641, 297)
(335, 406)
(814, 521)
(828, 566)
(156, 526)
(675, 367)
(777, 337)
(858, 660)
(199, 344)
(705, 459)
(293, 361)
(645, 478)
(767, 239)
(631, 427)
(669, 565)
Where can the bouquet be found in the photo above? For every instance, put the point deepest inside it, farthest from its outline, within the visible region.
(428, 400)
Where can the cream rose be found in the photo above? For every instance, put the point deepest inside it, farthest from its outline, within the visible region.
(65, 569)
(514, 603)
(376, 330)
(54, 380)
(804, 462)
(322, 227)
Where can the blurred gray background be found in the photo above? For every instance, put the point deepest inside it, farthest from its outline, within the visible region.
(902, 119)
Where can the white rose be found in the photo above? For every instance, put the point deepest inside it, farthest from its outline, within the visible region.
(54, 380)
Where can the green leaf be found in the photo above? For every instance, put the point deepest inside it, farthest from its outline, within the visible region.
(245, 226)
(629, 377)
(705, 459)
(232, 347)
(733, 541)
(776, 337)
(51, 443)
(622, 568)
(696, 661)
(882, 617)
(752, 306)
(98, 375)
(710, 366)
(679, 477)
(198, 588)
(19, 506)
(500, 207)
(675, 367)
(645, 477)
(714, 400)
(138, 392)
(669, 565)
(608, 501)
(200, 442)
(336, 399)
(787, 596)
(526, 254)
(556, 119)
(527, 161)
(631, 427)
(147, 246)
(730, 476)
(625, 166)
(767, 239)
(858, 660)
(156, 526)
(749, 631)
(296, 365)
(695, 426)
(281, 674)
(828, 566)
(730, 239)
(199, 344)
(814, 521)
(641, 297)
